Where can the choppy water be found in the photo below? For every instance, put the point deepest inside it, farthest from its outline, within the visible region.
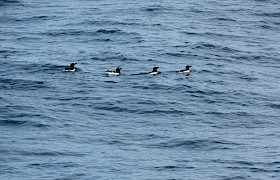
(220, 122)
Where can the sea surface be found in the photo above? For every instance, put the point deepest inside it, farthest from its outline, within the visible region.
(219, 122)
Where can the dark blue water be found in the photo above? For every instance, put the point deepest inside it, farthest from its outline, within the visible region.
(220, 122)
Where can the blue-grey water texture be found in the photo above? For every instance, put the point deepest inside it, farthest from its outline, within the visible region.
(220, 122)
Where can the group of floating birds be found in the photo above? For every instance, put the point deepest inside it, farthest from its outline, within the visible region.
(72, 68)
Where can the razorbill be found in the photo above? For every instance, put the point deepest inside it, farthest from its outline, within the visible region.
(154, 71)
(71, 68)
(186, 70)
(117, 72)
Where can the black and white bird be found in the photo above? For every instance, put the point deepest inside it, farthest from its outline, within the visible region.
(186, 70)
(154, 71)
(71, 68)
(117, 72)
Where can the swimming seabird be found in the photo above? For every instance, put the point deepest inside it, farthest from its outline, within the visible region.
(71, 68)
(154, 71)
(186, 70)
(117, 72)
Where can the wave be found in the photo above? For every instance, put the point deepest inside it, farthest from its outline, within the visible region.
(21, 84)
(224, 19)
(111, 23)
(34, 19)
(274, 105)
(274, 14)
(266, 59)
(201, 144)
(89, 33)
(173, 167)
(30, 68)
(108, 31)
(269, 27)
(22, 123)
(142, 108)
(207, 46)
(8, 2)
(156, 8)
(106, 56)
(12, 52)
(69, 32)
(175, 54)
(213, 35)
(12, 123)
(48, 153)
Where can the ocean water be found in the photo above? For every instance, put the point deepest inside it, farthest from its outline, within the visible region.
(219, 122)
